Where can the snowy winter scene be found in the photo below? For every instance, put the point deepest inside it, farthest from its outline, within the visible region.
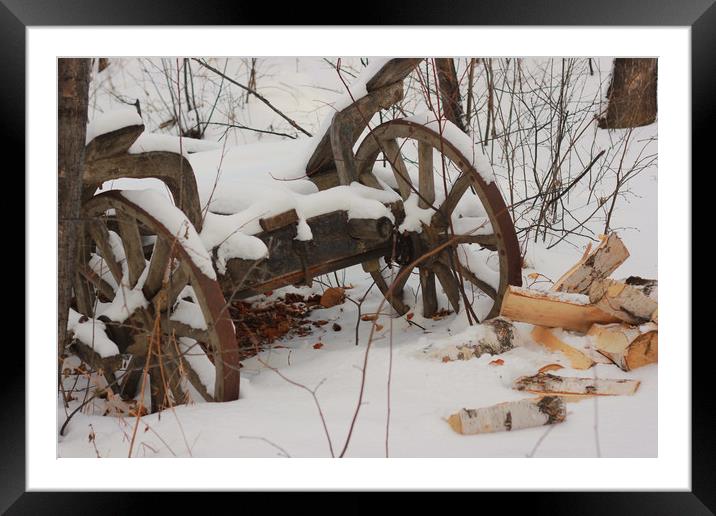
(282, 257)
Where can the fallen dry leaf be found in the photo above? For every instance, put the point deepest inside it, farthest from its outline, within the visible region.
(318, 345)
(497, 362)
(369, 317)
(333, 296)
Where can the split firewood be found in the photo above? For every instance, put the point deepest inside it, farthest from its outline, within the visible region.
(494, 336)
(633, 303)
(546, 338)
(605, 259)
(553, 309)
(511, 415)
(627, 346)
(545, 383)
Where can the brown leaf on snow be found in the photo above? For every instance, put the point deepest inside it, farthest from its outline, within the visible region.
(333, 296)
(497, 362)
(369, 317)
(318, 345)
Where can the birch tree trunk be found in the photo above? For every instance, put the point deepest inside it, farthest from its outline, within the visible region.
(73, 89)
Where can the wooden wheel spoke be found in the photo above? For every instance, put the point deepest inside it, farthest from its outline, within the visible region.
(449, 284)
(458, 189)
(191, 375)
(394, 297)
(426, 178)
(184, 330)
(100, 234)
(169, 294)
(479, 283)
(133, 249)
(157, 267)
(104, 288)
(400, 171)
(427, 285)
(486, 241)
(83, 295)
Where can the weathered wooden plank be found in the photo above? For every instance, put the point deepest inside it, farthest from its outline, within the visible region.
(112, 143)
(371, 229)
(347, 126)
(393, 71)
(279, 221)
(174, 169)
(285, 265)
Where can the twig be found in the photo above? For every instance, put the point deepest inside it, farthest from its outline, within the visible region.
(256, 94)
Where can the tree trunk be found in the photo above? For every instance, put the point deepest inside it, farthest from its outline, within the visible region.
(632, 94)
(450, 92)
(73, 89)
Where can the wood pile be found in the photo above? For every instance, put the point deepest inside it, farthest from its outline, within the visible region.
(616, 319)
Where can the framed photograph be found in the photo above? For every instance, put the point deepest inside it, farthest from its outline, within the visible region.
(434, 246)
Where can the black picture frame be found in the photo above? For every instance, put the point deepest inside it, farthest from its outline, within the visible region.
(700, 15)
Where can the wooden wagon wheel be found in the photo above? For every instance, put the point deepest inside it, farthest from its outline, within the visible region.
(444, 189)
(146, 283)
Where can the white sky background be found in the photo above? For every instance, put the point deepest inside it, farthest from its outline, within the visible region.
(670, 470)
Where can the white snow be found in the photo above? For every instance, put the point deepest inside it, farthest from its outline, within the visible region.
(189, 314)
(251, 171)
(415, 216)
(470, 150)
(231, 234)
(111, 121)
(199, 362)
(91, 332)
(176, 222)
(125, 302)
(148, 142)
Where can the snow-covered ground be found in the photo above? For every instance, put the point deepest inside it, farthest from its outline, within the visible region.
(408, 391)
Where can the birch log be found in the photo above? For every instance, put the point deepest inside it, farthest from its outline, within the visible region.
(545, 383)
(605, 259)
(627, 346)
(508, 416)
(553, 309)
(631, 303)
(494, 336)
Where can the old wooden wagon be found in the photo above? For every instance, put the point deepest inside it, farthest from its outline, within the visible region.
(409, 195)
